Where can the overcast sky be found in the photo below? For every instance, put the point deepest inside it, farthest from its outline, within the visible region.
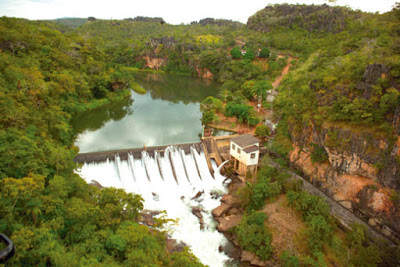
(173, 11)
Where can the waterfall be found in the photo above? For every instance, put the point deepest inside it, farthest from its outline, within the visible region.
(169, 183)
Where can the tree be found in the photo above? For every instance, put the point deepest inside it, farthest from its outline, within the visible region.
(249, 55)
(264, 53)
(236, 53)
(262, 130)
(260, 88)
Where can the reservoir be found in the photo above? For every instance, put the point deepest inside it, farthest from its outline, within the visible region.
(169, 113)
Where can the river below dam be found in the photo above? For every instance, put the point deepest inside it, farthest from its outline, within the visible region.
(169, 113)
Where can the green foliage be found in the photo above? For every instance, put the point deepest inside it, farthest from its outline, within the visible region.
(236, 53)
(184, 258)
(253, 235)
(211, 104)
(260, 88)
(315, 212)
(268, 185)
(249, 55)
(243, 112)
(289, 260)
(318, 154)
(53, 216)
(208, 117)
(138, 89)
(265, 53)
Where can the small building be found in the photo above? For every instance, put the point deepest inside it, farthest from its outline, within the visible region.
(245, 151)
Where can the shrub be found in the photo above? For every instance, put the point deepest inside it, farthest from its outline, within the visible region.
(249, 55)
(242, 112)
(318, 154)
(253, 235)
(236, 53)
(253, 120)
(263, 189)
(262, 130)
(264, 53)
(211, 103)
(289, 260)
(208, 117)
(315, 213)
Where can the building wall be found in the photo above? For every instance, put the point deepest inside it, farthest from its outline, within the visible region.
(243, 156)
(252, 161)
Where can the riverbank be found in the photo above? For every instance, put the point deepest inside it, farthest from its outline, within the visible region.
(96, 103)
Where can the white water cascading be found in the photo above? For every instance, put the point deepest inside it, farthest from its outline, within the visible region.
(169, 183)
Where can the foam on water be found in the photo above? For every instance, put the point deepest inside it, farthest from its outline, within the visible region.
(169, 183)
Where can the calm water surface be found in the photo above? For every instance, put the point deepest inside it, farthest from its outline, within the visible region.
(169, 113)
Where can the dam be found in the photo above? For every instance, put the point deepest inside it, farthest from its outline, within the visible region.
(175, 179)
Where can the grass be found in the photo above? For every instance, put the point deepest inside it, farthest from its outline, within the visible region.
(134, 69)
(137, 88)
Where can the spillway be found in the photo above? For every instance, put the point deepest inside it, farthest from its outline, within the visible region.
(170, 182)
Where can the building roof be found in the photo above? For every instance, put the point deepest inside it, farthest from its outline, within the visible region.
(245, 140)
(251, 149)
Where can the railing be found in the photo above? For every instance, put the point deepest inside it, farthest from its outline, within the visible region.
(9, 251)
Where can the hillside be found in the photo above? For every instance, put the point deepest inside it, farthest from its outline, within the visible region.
(338, 110)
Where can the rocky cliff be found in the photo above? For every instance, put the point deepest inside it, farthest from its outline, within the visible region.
(313, 18)
(357, 168)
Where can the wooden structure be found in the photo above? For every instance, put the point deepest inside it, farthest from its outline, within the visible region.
(245, 151)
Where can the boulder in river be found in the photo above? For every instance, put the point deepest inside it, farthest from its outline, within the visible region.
(197, 212)
(227, 222)
(199, 194)
(219, 211)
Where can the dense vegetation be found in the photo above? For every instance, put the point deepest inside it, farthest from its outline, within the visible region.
(51, 214)
(346, 72)
(320, 243)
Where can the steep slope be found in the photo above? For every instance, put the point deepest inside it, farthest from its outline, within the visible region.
(339, 109)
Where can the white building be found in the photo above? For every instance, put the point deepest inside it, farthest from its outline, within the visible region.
(245, 151)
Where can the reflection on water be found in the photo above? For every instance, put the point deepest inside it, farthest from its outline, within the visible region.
(169, 113)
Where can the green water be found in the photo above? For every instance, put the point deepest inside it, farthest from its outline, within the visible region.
(169, 113)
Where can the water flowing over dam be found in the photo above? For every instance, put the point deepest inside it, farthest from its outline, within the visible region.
(169, 180)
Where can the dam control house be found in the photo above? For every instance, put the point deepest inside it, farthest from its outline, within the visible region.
(245, 151)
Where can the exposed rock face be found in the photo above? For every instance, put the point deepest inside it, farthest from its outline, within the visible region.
(321, 18)
(167, 42)
(218, 22)
(396, 123)
(155, 63)
(96, 184)
(359, 153)
(205, 73)
(372, 73)
(148, 19)
(174, 246)
(360, 173)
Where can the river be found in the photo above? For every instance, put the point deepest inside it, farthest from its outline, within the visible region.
(169, 113)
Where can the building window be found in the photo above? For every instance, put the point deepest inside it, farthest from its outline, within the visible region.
(233, 147)
(238, 150)
(253, 155)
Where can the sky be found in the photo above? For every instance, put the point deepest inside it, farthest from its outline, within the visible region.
(172, 11)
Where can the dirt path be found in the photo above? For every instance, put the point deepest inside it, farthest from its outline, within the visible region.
(232, 123)
(283, 73)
